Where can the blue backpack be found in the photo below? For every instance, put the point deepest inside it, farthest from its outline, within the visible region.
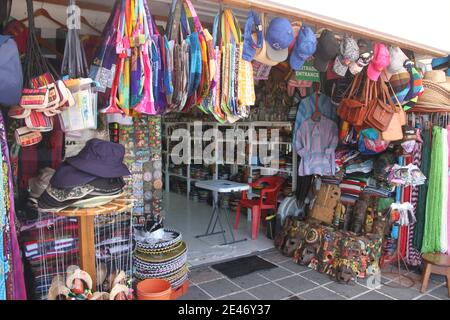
(11, 78)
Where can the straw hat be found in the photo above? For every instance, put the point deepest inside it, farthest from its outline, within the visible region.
(100, 296)
(120, 288)
(79, 274)
(55, 291)
(437, 89)
(120, 279)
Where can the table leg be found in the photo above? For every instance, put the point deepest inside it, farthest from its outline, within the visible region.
(87, 246)
(213, 223)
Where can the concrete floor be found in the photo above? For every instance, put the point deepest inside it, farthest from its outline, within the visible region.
(290, 281)
(191, 218)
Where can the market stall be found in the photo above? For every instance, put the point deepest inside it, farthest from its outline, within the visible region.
(336, 136)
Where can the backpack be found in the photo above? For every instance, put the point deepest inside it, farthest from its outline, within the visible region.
(11, 78)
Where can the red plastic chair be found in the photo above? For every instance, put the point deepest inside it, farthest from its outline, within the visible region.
(268, 199)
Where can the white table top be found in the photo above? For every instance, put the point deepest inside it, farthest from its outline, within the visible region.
(222, 186)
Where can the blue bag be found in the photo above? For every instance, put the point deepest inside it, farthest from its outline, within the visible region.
(11, 78)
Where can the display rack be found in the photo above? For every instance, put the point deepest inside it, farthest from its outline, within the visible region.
(86, 230)
(249, 155)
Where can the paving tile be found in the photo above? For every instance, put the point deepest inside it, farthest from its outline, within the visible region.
(400, 293)
(417, 283)
(270, 291)
(441, 292)
(294, 267)
(437, 278)
(320, 294)
(428, 297)
(239, 296)
(315, 276)
(204, 274)
(296, 284)
(294, 298)
(347, 290)
(219, 288)
(275, 273)
(249, 281)
(194, 293)
(373, 295)
(274, 257)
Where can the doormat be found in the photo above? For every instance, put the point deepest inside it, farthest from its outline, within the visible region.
(243, 266)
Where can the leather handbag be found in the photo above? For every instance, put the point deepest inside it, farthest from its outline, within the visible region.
(394, 131)
(352, 108)
(380, 113)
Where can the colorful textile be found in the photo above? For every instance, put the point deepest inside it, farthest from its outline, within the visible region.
(15, 285)
(423, 190)
(433, 217)
(413, 256)
(445, 153)
(316, 144)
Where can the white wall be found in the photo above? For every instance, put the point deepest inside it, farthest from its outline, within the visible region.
(96, 18)
(426, 22)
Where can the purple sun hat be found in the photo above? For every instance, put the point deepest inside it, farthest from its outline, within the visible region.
(101, 159)
(68, 176)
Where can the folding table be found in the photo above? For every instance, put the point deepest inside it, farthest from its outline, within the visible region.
(220, 186)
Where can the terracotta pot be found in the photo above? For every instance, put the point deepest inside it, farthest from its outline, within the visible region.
(154, 289)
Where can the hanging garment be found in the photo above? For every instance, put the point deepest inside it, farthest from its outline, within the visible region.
(15, 284)
(433, 214)
(307, 107)
(448, 199)
(423, 190)
(316, 143)
(444, 238)
(413, 255)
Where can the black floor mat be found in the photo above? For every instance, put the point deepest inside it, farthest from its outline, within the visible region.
(243, 266)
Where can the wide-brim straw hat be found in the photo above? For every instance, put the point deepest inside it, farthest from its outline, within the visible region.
(436, 90)
(119, 288)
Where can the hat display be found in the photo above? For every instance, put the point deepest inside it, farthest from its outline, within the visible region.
(101, 158)
(261, 53)
(39, 183)
(436, 90)
(279, 36)
(92, 178)
(349, 52)
(365, 56)
(400, 83)
(398, 59)
(381, 59)
(305, 47)
(250, 45)
(327, 49)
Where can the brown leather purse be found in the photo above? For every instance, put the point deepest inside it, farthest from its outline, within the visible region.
(353, 109)
(380, 113)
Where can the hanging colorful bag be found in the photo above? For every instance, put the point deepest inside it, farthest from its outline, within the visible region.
(380, 113)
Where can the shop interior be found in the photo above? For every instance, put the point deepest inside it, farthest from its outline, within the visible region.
(333, 146)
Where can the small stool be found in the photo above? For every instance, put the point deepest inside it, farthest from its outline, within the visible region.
(437, 263)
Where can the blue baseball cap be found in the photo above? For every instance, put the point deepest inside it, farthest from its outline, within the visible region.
(304, 48)
(279, 36)
(250, 46)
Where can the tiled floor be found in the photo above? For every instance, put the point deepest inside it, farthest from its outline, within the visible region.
(191, 218)
(291, 281)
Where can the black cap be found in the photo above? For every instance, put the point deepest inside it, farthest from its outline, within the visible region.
(327, 50)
